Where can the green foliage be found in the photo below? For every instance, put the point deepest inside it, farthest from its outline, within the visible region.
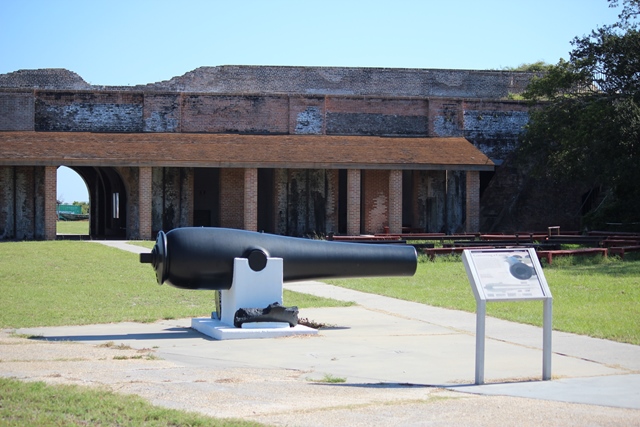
(85, 206)
(586, 123)
(38, 404)
(535, 67)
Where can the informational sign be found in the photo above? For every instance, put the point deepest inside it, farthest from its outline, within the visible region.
(506, 274)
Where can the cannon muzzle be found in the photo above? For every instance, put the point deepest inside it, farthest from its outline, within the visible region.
(203, 257)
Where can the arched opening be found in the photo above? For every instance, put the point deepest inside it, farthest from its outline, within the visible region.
(107, 202)
(72, 204)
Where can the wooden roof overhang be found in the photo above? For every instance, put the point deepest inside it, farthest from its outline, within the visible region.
(239, 151)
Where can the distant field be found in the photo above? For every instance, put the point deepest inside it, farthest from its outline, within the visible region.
(72, 227)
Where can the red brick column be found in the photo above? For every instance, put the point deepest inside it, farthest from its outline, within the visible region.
(251, 199)
(395, 201)
(353, 201)
(50, 195)
(144, 202)
(473, 202)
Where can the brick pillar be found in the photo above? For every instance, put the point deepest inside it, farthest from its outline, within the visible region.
(145, 201)
(473, 202)
(50, 194)
(353, 201)
(251, 199)
(395, 201)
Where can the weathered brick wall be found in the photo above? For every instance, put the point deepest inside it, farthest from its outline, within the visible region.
(22, 203)
(162, 112)
(16, 111)
(250, 211)
(88, 112)
(445, 117)
(347, 81)
(232, 198)
(172, 198)
(48, 78)
(306, 201)
(473, 201)
(494, 127)
(429, 196)
(395, 201)
(270, 100)
(376, 116)
(307, 115)
(50, 202)
(354, 193)
(375, 188)
(235, 114)
(144, 204)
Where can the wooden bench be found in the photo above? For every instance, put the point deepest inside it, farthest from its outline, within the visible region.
(620, 250)
(548, 255)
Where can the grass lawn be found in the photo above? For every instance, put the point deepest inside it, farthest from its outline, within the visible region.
(75, 282)
(591, 296)
(72, 227)
(38, 404)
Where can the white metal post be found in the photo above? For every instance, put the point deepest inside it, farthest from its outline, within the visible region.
(481, 314)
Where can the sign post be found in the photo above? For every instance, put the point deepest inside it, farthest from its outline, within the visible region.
(507, 275)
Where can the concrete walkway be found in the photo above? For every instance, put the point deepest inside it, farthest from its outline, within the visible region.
(386, 350)
(436, 347)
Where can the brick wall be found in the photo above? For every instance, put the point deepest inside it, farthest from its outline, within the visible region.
(473, 202)
(235, 114)
(376, 116)
(347, 81)
(50, 202)
(395, 201)
(16, 111)
(162, 112)
(88, 112)
(375, 188)
(145, 203)
(307, 115)
(250, 213)
(232, 198)
(354, 191)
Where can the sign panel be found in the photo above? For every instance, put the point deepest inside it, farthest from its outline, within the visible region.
(505, 274)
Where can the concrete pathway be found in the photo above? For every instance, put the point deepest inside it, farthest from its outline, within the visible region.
(393, 356)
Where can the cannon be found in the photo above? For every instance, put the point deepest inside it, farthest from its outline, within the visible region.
(203, 257)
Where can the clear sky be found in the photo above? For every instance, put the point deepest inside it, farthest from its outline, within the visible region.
(129, 42)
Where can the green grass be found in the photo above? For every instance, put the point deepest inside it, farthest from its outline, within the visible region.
(74, 283)
(72, 227)
(591, 296)
(38, 404)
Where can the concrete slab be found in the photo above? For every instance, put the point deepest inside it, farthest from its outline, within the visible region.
(385, 350)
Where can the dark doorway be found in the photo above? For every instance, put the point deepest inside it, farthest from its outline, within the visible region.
(266, 202)
(206, 200)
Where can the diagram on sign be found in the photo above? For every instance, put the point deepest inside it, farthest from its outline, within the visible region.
(507, 275)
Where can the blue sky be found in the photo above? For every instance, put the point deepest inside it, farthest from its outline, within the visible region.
(118, 42)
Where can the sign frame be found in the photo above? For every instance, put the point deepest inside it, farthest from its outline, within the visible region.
(507, 274)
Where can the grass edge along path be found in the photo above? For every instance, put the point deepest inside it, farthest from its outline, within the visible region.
(597, 297)
(40, 404)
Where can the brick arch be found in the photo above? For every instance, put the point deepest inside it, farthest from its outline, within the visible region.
(107, 200)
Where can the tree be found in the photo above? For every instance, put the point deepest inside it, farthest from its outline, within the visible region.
(585, 125)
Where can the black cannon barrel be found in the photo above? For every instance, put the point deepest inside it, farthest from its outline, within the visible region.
(203, 257)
